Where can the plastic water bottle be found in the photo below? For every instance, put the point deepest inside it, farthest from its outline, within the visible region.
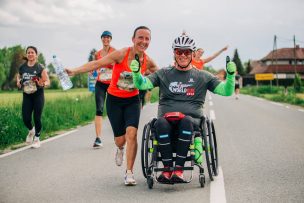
(198, 150)
(64, 79)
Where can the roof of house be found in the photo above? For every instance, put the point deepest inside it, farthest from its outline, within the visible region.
(259, 67)
(285, 54)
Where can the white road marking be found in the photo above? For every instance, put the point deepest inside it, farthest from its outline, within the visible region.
(217, 189)
(210, 103)
(212, 115)
(287, 107)
(42, 142)
(302, 110)
(260, 99)
(278, 104)
(209, 96)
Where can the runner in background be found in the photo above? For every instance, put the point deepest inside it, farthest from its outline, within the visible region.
(32, 78)
(197, 60)
(102, 83)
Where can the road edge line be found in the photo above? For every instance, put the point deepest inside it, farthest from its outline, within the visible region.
(42, 142)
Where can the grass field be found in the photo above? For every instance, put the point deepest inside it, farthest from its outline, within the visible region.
(62, 110)
(15, 97)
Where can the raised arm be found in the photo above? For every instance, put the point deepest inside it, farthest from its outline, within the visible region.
(227, 88)
(216, 54)
(141, 82)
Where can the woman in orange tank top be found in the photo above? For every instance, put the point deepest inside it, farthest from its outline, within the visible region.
(123, 106)
(102, 83)
(197, 60)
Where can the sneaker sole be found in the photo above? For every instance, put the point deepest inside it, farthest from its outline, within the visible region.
(130, 184)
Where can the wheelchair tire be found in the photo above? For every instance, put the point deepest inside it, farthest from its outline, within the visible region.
(213, 149)
(150, 182)
(206, 149)
(146, 132)
(202, 180)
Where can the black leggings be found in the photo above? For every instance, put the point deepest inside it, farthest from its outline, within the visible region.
(171, 132)
(100, 96)
(33, 103)
(122, 113)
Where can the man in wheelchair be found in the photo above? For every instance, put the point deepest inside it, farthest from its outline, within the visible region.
(182, 88)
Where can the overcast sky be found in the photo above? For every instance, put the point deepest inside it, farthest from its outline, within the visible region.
(71, 28)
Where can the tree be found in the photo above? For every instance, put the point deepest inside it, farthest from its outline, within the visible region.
(248, 67)
(236, 59)
(41, 59)
(51, 68)
(16, 58)
(92, 55)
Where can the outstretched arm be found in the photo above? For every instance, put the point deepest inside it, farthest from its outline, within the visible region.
(227, 88)
(216, 54)
(140, 82)
(94, 65)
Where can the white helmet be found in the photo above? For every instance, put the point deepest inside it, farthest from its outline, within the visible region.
(184, 42)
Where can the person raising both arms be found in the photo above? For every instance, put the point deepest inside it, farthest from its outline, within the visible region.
(32, 78)
(182, 88)
(123, 105)
(102, 83)
(197, 60)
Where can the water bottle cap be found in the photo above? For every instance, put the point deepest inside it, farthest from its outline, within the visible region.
(54, 56)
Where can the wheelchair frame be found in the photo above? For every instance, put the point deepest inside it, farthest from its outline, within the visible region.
(150, 155)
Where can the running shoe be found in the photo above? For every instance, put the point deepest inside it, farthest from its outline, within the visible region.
(30, 136)
(36, 143)
(177, 175)
(119, 156)
(165, 176)
(129, 178)
(97, 144)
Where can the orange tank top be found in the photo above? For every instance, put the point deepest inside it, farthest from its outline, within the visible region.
(104, 73)
(122, 81)
(198, 64)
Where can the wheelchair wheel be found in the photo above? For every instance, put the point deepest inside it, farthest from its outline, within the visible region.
(144, 149)
(202, 180)
(213, 149)
(150, 182)
(206, 149)
(146, 155)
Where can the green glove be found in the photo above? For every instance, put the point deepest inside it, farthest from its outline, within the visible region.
(231, 68)
(134, 66)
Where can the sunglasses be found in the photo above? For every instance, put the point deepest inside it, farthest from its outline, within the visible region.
(180, 52)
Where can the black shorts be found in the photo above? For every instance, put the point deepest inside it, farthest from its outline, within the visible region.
(237, 86)
(122, 113)
(100, 96)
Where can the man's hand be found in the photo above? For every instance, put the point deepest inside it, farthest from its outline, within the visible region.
(134, 66)
(70, 72)
(231, 68)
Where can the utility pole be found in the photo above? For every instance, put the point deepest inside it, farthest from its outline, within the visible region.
(274, 55)
(294, 54)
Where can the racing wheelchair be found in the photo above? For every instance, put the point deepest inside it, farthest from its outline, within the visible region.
(150, 156)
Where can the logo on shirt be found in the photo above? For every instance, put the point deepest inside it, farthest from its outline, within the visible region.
(191, 80)
(179, 87)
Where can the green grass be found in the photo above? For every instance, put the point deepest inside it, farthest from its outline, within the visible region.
(62, 110)
(276, 94)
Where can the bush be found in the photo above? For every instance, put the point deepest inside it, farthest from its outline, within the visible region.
(297, 84)
(54, 82)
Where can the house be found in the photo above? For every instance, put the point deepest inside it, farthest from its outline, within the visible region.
(284, 63)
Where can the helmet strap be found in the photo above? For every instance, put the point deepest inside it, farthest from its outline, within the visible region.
(182, 66)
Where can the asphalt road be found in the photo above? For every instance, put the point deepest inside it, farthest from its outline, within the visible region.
(260, 151)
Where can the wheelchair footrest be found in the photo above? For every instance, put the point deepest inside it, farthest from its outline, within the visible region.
(188, 168)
